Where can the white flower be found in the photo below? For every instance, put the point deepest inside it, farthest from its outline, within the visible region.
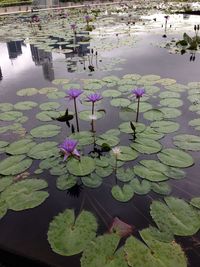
(93, 117)
(116, 151)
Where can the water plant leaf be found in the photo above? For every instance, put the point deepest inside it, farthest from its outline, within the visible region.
(25, 194)
(10, 115)
(171, 102)
(144, 106)
(122, 194)
(153, 115)
(43, 150)
(92, 181)
(153, 253)
(146, 146)
(14, 165)
(171, 113)
(5, 182)
(27, 92)
(3, 208)
(25, 105)
(110, 139)
(85, 115)
(187, 142)
(66, 235)
(126, 153)
(125, 175)
(83, 137)
(111, 93)
(148, 174)
(104, 171)
(85, 166)
(47, 115)
(20, 147)
(105, 247)
(176, 216)
(195, 202)
(56, 95)
(66, 181)
(150, 133)
(44, 131)
(175, 158)
(120, 102)
(126, 128)
(165, 126)
(49, 106)
(140, 187)
(162, 188)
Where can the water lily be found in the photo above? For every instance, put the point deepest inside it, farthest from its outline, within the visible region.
(138, 92)
(87, 18)
(73, 26)
(68, 148)
(73, 94)
(94, 98)
(116, 151)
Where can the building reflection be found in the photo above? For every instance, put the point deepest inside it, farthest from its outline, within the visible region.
(14, 49)
(44, 59)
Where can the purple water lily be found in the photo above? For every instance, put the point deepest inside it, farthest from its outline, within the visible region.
(87, 18)
(73, 93)
(68, 148)
(94, 98)
(138, 92)
(73, 26)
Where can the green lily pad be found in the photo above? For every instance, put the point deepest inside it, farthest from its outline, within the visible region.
(43, 150)
(14, 165)
(5, 182)
(140, 188)
(171, 102)
(56, 95)
(144, 106)
(48, 115)
(153, 115)
(66, 235)
(126, 128)
(162, 188)
(125, 175)
(20, 147)
(111, 93)
(149, 174)
(85, 115)
(153, 253)
(92, 181)
(83, 138)
(102, 251)
(6, 107)
(44, 131)
(3, 208)
(175, 158)
(120, 102)
(25, 105)
(25, 194)
(47, 90)
(27, 92)
(187, 142)
(170, 113)
(66, 181)
(195, 202)
(10, 115)
(169, 94)
(146, 146)
(165, 126)
(176, 216)
(49, 106)
(122, 194)
(110, 139)
(150, 133)
(126, 153)
(85, 166)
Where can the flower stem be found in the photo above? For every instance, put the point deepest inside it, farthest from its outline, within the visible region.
(76, 114)
(92, 108)
(138, 108)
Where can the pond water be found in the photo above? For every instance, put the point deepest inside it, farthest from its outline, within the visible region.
(170, 106)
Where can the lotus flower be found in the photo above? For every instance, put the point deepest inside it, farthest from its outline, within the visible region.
(138, 92)
(74, 93)
(94, 97)
(68, 148)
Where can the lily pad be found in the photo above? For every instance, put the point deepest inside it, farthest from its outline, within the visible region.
(122, 194)
(66, 235)
(120, 102)
(92, 181)
(14, 165)
(146, 146)
(20, 147)
(25, 105)
(43, 150)
(175, 158)
(153, 115)
(140, 188)
(165, 126)
(85, 166)
(187, 142)
(27, 92)
(44, 131)
(66, 181)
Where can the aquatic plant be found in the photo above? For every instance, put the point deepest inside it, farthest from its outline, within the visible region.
(68, 148)
(138, 92)
(94, 98)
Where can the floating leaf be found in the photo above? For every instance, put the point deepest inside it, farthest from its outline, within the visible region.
(171, 102)
(83, 138)
(5, 182)
(27, 92)
(165, 126)
(14, 165)
(149, 174)
(43, 131)
(66, 181)
(175, 158)
(120, 102)
(125, 175)
(49, 106)
(25, 105)
(146, 146)
(43, 150)
(140, 188)
(86, 115)
(10, 115)
(195, 202)
(20, 147)
(162, 188)
(126, 153)
(92, 181)
(176, 216)
(111, 93)
(85, 166)
(153, 115)
(24, 194)
(66, 235)
(126, 128)
(170, 113)
(187, 142)
(122, 194)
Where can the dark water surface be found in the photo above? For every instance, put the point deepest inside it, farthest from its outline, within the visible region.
(25, 232)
